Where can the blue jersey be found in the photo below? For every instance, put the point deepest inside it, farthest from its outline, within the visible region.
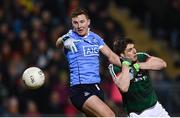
(84, 64)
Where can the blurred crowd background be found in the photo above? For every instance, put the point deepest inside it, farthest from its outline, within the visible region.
(30, 28)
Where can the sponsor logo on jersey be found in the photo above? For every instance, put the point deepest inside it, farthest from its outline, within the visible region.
(91, 50)
(140, 78)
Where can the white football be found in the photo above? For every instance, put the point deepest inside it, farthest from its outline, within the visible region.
(33, 77)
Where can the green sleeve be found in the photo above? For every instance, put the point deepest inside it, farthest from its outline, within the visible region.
(116, 69)
(142, 57)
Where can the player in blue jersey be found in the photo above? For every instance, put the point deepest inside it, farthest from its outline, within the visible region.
(82, 48)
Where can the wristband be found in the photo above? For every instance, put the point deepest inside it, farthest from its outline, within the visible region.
(127, 63)
(136, 66)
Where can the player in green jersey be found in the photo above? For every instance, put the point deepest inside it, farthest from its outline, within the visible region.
(133, 80)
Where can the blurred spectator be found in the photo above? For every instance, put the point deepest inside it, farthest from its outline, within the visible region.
(12, 107)
(54, 104)
(28, 32)
(71, 111)
(3, 95)
(42, 57)
(32, 110)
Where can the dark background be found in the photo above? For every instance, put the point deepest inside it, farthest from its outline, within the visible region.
(30, 28)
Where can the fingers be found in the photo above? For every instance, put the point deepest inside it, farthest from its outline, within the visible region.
(73, 48)
(70, 44)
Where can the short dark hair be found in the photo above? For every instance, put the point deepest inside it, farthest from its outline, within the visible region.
(79, 11)
(120, 44)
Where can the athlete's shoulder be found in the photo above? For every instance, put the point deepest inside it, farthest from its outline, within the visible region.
(70, 33)
(114, 68)
(142, 56)
(94, 35)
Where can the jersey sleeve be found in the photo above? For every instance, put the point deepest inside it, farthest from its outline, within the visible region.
(100, 41)
(114, 69)
(69, 34)
(142, 57)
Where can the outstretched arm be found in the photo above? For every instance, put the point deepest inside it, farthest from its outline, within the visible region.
(122, 79)
(67, 42)
(59, 42)
(112, 57)
(153, 63)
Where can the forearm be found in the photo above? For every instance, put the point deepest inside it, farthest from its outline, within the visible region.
(153, 63)
(114, 59)
(123, 80)
(59, 42)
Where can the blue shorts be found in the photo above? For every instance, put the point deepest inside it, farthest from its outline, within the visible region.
(80, 93)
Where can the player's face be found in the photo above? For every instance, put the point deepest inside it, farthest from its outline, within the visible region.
(130, 52)
(81, 24)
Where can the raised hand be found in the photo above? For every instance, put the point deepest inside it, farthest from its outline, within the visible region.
(134, 69)
(69, 43)
(126, 61)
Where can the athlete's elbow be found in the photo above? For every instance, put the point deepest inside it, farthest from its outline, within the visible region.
(111, 59)
(57, 45)
(59, 42)
(114, 59)
(123, 88)
(164, 64)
